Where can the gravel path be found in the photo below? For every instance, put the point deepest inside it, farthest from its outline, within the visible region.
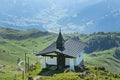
(1, 67)
(36, 78)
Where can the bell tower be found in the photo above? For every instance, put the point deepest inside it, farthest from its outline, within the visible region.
(60, 45)
(60, 41)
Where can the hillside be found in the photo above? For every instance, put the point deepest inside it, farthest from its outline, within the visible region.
(15, 43)
(102, 49)
(89, 73)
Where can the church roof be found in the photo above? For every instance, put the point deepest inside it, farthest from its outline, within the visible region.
(72, 48)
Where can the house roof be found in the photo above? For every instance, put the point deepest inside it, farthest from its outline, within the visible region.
(72, 48)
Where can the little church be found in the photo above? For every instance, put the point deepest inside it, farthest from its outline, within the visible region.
(63, 53)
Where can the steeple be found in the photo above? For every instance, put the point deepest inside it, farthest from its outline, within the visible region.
(60, 41)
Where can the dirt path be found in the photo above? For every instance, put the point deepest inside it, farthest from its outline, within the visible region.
(1, 67)
(19, 64)
(36, 78)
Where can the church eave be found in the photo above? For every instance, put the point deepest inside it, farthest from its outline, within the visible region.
(56, 52)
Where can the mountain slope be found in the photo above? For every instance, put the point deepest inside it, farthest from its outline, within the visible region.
(11, 48)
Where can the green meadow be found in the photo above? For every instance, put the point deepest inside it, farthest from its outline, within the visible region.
(15, 43)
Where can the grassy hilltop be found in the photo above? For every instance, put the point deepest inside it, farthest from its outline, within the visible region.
(102, 48)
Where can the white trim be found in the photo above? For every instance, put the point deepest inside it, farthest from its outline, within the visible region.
(72, 64)
(43, 62)
(79, 59)
(67, 61)
(51, 54)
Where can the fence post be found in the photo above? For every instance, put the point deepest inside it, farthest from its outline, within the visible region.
(25, 63)
(22, 75)
(15, 77)
(28, 64)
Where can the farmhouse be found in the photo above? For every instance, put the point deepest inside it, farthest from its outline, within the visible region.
(63, 53)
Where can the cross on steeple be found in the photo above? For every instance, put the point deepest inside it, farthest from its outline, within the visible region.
(60, 29)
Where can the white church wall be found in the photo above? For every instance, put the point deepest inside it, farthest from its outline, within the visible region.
(79, 59)
(67, 61)
(43, 62)
(72, 64)
(51, 60)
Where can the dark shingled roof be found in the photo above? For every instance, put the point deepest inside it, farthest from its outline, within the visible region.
(72, 48)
